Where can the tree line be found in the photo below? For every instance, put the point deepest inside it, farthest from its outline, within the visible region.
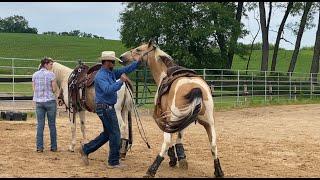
(206, 34)
(19, 24)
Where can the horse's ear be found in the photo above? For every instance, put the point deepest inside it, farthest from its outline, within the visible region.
(151, 42)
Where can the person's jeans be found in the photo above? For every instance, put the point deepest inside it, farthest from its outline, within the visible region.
(111, 133)
(48, 108)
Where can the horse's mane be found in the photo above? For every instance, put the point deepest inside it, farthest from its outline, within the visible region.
(164, 57)
(62, 72)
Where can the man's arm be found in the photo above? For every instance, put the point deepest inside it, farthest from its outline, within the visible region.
(127, 69)
(108, 87)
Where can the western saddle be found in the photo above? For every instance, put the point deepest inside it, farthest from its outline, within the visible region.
(81, 78)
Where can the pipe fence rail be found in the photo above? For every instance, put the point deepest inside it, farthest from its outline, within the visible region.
(227, 86)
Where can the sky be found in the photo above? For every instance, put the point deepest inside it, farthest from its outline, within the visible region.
(102, 19)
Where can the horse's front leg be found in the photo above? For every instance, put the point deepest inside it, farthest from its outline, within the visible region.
(155, 165)
(124, 133)
(73, 133)
(82, 116)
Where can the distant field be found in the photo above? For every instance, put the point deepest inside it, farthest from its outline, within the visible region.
(65, 48)
(70, 48)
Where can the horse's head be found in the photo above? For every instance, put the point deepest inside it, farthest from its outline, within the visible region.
(142, 51)
(146, 51)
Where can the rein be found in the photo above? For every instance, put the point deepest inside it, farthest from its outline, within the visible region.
(138, 119)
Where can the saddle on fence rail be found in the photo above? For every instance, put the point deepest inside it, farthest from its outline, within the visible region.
(173, 73)
(81, 78)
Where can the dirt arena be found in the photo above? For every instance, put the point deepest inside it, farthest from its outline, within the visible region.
(274, 141)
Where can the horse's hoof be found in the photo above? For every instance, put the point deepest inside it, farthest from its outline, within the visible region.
(172, 163)
(148, 176)
(122, 156)
(183, 164)
(218, 174)
(71, 149)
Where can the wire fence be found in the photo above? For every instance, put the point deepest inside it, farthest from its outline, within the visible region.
(227, 86)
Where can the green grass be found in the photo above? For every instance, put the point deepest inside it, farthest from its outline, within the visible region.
(283, 61)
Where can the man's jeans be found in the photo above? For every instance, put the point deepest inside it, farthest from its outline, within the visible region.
(48, 108)
(111, 133)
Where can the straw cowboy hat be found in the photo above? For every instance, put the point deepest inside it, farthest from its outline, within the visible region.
(109, 55)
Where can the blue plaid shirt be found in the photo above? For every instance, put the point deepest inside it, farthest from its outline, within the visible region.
(106, 86)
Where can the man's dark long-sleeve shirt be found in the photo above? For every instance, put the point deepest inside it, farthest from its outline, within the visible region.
(106, 86)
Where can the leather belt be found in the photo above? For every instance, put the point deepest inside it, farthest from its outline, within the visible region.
(104, 106)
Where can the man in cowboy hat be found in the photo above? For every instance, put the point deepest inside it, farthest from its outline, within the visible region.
(106, 88)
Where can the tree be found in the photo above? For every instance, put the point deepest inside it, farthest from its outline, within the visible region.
(235, 35)
(280, 30)
(303, 22)
(316, 53)
(265, 32)
(195, 34)
(16, 24)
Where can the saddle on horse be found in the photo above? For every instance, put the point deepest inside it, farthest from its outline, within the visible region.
(81, 78)
(173, 73)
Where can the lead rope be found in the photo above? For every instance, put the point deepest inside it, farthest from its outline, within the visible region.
(138, 118)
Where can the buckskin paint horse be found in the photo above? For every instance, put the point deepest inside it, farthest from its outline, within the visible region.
(123, 106)
(182, 97)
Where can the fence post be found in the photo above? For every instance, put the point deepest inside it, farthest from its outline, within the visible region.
(278, 88)
(290, 74)
(204, 74)
(311, 86)
(238, 88)
(13, 93)
(265, 86)
(252, 86)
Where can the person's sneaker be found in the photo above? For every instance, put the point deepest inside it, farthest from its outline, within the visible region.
(39, 150)
(84, 156)
(53, 150)
(118, 166)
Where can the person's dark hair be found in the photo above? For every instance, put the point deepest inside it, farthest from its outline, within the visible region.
(44, 61)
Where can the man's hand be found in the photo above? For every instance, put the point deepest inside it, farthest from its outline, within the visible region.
(123, 78)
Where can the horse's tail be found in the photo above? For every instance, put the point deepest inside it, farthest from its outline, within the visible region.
(194, 97)
(188, 114)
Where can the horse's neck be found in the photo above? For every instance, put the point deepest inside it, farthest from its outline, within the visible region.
(62, 75)
(158, 70)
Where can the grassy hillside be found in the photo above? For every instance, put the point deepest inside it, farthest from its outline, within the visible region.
(66, 48)
(70, 48)
(283, 61)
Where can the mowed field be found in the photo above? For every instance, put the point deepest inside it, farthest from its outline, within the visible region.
(273, 141)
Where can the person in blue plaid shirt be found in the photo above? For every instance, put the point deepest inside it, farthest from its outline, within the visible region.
(44, 85)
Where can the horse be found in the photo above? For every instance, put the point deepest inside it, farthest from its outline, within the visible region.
(182, 97)
(123, 107)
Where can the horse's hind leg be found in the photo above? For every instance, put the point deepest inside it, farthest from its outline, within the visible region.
(152, 170)
(182, 158)
(82, 115)
(212, 138)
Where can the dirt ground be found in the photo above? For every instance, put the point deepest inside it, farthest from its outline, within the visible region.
(275, 141)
